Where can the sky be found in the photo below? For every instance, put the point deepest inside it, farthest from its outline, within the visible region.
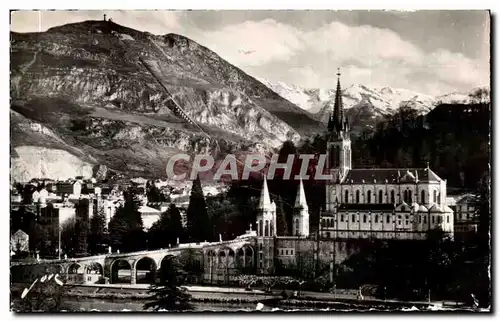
(431, 52)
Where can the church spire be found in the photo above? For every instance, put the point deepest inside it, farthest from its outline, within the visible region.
(265, 199)
(337, 121)
(338, 109)
(300, 200)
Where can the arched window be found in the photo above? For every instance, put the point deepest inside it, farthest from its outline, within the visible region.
(266, 228)
(410, 197)
(435, 196)
(404, 196)
(439, 199)
(357, 197)
(393, 199)
(261, 233)
(346, 197)
(380, 200)
(369, 196)
(422, 197)
(364, 218)
(327, 223)
(296, 226)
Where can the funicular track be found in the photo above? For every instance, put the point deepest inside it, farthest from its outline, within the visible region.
(176, 109)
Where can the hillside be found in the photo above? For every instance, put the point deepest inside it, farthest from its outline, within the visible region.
(116, 96)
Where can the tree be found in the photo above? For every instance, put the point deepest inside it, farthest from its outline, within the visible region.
(175, 222)
(153, 193)
(68, 240)
(98, 231)
(126, 230)
(81, 227)
(167, 229)
(44, 296)
(27, 194)
(118, 229)
(281, 219)
(484, 241)
(198, 224)
(169, 294)
(190, 264)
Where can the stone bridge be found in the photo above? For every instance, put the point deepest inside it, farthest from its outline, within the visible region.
(215, 262)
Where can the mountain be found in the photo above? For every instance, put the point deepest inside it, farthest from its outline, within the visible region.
(102, 93)
(310, 99)
(364, 105)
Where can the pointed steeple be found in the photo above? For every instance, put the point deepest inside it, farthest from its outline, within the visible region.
(300, 200)
(338, 109)
(265, 200)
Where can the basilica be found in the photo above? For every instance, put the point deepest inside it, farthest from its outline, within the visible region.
(361, 203)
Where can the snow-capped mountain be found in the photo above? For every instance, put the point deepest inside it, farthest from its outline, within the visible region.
(370, 101)
(310, 99)
(476, 95)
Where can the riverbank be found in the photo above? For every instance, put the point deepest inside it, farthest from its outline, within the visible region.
(237, 296)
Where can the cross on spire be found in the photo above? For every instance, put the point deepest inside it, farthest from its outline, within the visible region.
(338, 72)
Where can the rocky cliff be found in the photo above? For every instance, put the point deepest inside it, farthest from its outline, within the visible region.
(107, 94)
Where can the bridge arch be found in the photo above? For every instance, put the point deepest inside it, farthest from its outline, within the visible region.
(94, 273)
(145, 270)
(76, 273)
(166, 270)
(245, 256)
(121, 272)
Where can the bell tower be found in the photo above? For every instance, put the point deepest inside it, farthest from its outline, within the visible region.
(339, 141)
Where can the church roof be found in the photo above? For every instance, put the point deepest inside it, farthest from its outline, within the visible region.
(435, 209)
(366, 207)
(447, 209)
(403, 207)
(422, 208)
(389, 175)
(465, 199)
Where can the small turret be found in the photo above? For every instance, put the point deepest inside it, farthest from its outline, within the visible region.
(300, 213)
(266, 217)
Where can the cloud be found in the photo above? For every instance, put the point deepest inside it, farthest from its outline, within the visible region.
(157, 22)
(304, 57)
(268, 41)
(366, 54)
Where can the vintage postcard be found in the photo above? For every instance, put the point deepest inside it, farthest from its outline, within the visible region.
(250, 160)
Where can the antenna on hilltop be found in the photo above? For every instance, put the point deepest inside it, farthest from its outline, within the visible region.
(104, 17)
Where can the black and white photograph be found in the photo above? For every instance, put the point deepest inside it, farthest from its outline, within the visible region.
(250, 161)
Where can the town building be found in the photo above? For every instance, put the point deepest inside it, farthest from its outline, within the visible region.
(466, 220)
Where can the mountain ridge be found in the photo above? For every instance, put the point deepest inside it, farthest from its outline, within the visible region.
(89, 82)
(383, 100)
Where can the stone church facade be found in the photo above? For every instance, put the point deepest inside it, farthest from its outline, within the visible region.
(361, 204)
